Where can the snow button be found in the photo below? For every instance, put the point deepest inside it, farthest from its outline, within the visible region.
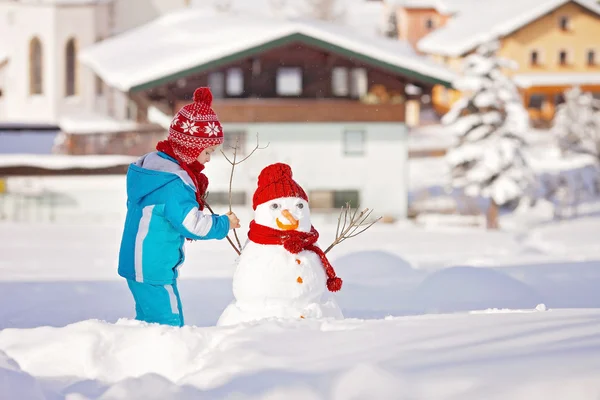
(299, 280)
(298, 261)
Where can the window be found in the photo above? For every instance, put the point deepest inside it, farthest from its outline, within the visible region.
(341, 197)
(70, 68)
(339, 81)
(563, 22)
(36, 67)
(132, 110)
(231, 138)
(536, 101)
(235, 82)
(563, 58)
(354, 143)
(333, 199)
(534, 58)
(99, 86)
(289, 81)
(216, 83)
(359, 84)
(429, 24)
(591, 58)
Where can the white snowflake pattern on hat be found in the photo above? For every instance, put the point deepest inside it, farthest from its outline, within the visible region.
(212, 129)
(189, 127)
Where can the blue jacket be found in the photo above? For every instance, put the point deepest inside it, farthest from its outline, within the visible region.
(162, 212)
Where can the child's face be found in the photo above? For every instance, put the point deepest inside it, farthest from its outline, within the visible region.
(204, 157)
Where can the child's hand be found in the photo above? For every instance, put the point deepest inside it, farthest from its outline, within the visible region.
(234, 222)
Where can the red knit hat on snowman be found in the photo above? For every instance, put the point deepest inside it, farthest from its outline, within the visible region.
(194, 128)
(274, 182)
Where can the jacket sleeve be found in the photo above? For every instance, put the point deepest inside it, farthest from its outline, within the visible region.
(192, 223)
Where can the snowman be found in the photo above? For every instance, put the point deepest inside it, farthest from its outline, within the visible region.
(281, 273)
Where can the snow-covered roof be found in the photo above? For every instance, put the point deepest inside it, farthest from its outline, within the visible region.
(57, 162)
(87, 123)
(193, 40)
(441, 6)
(559, 79)
(478, 21)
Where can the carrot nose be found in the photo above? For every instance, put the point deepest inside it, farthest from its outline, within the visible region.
(288, 215)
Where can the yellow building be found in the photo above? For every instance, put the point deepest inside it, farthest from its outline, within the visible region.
(556, 43)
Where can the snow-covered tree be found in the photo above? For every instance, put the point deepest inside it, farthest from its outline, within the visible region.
(576, 127)
(491, 121)
(577, 124)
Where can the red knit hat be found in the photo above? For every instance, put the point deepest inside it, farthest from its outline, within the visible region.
(195, 127)
(276, 181)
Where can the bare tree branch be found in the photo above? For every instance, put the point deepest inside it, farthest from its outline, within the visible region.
(238, 251)
(233, 163)
(350, 228)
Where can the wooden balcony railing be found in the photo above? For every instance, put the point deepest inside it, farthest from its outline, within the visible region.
(304, 110)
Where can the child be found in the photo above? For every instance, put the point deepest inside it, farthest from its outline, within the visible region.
(165, 192)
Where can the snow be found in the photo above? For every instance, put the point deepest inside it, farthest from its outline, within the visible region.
(171, 44)
(87, 123)
(575, 79)
(67, 330)
(160, 118)
(432, 312)
(474, 24)
(57, 162)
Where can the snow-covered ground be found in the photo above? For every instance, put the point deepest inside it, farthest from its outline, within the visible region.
(432, 313)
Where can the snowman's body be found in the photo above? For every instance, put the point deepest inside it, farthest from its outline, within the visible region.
(271, 282)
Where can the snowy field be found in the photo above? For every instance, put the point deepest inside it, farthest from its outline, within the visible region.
(431, 313)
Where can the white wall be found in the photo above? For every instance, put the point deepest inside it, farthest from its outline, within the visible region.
(132, 13)
(315, 153)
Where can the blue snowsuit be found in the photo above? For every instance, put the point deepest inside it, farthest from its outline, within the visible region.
(162, 212)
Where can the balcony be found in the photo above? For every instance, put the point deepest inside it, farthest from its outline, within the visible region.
(304, 110)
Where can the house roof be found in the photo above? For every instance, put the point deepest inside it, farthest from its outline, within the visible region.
(194, 40)
(475, 24)
(441, 6)
(558, 79)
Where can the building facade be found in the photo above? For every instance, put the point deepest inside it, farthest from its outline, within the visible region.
(553, 43)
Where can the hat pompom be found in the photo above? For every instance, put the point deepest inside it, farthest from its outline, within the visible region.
(203, 95)
(334, 284)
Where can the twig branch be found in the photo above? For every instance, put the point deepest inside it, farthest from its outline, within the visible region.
(350, 228)
(233, 163)
(238, 251)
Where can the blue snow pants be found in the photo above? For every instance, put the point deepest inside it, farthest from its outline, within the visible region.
(157, 303)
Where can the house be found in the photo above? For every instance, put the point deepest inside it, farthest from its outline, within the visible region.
(554, 43)
(330, 101)
(41, 80)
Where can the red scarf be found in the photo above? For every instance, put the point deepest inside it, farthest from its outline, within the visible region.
(295, 242)
(194, 170)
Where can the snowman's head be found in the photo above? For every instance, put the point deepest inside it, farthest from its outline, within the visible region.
(284, 213)
(279, 202)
